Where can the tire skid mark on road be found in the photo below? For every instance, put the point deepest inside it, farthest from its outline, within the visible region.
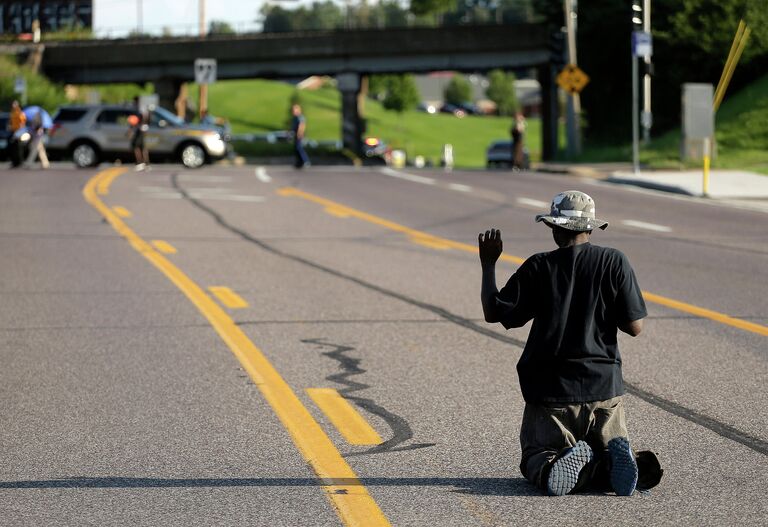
(346, 493)
(720, 428)
(350, 366)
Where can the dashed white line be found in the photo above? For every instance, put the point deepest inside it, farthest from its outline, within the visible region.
(201, 178)
(533, 203)
(261, 175)
(459, 187)
(408, 177)
(647, 226)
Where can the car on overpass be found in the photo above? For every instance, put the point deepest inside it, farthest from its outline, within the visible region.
(90, 134)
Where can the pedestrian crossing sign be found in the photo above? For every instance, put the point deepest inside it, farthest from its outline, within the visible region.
(572, 79)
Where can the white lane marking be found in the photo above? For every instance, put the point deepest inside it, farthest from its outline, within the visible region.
(261, 175)
(408, 177)
(459, 187)
(533, 203)
(205, 179)
(646, 226)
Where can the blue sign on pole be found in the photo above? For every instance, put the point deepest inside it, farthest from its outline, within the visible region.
(642, 44)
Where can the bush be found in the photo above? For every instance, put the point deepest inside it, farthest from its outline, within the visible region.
(458, 91)
(501, 90)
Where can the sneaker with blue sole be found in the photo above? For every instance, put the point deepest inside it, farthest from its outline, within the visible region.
(565, 471)
(623, 466)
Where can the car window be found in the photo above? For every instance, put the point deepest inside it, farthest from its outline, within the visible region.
(114, 116)
(3, 123)
(161, 114)
(69, 115)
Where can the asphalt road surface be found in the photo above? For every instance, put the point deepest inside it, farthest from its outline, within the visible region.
(261, 346)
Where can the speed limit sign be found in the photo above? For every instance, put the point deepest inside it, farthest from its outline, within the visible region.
(205, 71)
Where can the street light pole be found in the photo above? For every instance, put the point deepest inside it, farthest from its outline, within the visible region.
(647, 117)
(573, 128)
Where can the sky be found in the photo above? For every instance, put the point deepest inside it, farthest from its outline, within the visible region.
(118, 17)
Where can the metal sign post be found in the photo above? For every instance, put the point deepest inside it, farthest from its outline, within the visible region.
(20, 87)
(205, 74)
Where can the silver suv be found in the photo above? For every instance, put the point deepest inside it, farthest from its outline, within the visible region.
(89, 134)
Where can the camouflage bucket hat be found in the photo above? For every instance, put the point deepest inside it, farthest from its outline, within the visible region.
(573, 210)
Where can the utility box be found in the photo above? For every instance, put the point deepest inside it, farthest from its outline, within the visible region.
(698, 120)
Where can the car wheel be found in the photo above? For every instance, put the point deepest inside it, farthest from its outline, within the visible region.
(85, 155)
(192, 156)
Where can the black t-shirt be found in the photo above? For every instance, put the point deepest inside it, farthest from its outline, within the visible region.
(577, 297)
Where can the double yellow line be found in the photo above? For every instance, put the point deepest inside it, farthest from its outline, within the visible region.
(436, 242)
(346, 493)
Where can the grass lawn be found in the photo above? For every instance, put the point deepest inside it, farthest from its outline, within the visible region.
(741, 130)
(261, 106)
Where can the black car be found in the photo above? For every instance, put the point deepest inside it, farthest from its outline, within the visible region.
(499, 154)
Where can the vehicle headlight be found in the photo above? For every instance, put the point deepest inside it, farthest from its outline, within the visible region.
(25, 137)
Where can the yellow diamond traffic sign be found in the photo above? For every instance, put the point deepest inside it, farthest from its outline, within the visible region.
(572, 79)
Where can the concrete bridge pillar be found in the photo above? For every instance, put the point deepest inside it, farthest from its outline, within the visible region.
(168, 90)
(352, 125)
(549, 112)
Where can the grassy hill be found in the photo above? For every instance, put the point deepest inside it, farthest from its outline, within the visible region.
(259, 106)
(741, 132)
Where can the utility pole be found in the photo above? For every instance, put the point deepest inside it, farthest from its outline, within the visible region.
(573, 125)
(637, 23)
(647, 117)
(203, 94)
(139, 17)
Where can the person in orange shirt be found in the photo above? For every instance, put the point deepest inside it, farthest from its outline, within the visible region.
(18, 119)
(16, 122)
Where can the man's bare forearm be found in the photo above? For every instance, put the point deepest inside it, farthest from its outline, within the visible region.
(488, 292)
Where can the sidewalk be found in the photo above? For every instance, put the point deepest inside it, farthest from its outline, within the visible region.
(723, 184)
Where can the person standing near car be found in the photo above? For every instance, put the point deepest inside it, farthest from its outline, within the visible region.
(299, 127)
(518, 132)
(37, 143)
(16, 122)
(139, 125)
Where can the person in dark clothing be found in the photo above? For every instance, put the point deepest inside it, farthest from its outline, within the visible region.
(578, 297)
(139, 125)
(299, 127)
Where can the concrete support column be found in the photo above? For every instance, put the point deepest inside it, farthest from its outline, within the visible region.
(549, 112)
(168, 91)
(352, 125)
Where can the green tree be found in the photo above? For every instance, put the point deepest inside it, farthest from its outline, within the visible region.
(501, 90)
(276, 19)
(458, 90)
(428, 7)
(219, 27)
(401, 93)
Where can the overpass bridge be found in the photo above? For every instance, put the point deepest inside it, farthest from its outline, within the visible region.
(348, 55)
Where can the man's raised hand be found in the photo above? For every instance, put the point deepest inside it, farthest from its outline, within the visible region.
(490, 246)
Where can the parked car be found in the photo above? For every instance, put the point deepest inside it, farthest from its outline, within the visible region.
(89, 134)
(499, 154)
(452, 108)
(374, 147)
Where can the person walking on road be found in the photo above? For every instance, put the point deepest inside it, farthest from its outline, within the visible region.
(574, 431)
(139, 125)
(299, 127)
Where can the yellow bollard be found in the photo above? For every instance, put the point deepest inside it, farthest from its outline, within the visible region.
(705, 183)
